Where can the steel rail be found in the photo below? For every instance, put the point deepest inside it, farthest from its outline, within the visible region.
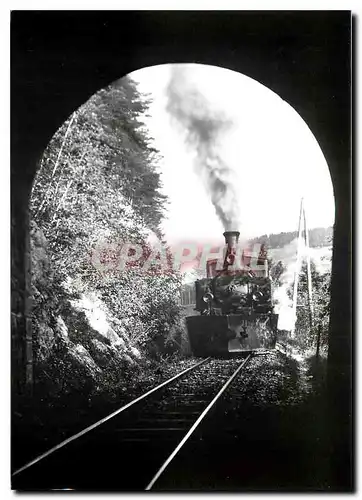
(108, 417)
(196, 424)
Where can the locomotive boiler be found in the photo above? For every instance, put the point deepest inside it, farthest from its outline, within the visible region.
(234, 304)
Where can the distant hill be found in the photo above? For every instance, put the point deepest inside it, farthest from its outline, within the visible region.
(318, 237)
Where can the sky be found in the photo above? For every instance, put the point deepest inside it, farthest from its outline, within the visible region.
(272, 154)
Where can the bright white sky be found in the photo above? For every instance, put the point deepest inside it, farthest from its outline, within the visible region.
(274, 155)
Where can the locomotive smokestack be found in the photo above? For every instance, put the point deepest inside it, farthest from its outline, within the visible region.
(231, 238)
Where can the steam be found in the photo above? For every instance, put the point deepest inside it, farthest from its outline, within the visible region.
(284, 304)
(284, 308)
(203, 128)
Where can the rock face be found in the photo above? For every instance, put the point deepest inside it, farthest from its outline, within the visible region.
(46, 341)
(79, 345)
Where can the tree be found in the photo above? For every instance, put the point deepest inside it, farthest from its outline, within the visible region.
(321, 305)
(318, 237)
(98, 185)
(276, 271)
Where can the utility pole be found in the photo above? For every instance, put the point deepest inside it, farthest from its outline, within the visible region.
(298, 266)
(297, 269)
(309, 275)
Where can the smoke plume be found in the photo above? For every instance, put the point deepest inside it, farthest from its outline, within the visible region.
(203, 128)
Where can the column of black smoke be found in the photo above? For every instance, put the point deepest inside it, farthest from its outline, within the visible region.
(203, 128)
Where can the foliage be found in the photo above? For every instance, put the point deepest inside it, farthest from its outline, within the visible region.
(276, 271)
(98, 177)
(98, 186)
(320, 303)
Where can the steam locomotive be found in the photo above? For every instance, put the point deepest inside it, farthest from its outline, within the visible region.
(234, 304)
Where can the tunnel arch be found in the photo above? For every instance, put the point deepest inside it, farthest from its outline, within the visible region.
(59, 60)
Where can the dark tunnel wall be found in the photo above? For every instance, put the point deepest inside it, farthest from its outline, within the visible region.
(59, 59)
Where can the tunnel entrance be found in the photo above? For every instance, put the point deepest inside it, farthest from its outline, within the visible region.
(311, 74)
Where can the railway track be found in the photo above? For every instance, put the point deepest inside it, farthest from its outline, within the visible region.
(132, 448)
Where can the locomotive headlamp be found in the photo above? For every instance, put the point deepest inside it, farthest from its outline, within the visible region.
(207, 297)
(257, 296)
(230, 259)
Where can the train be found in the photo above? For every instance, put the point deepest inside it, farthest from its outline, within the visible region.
(234, 306)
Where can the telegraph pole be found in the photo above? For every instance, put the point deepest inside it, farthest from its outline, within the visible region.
(309, 275)
(302, 213)
(297, 269)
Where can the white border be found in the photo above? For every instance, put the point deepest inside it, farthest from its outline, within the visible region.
(5, 8)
